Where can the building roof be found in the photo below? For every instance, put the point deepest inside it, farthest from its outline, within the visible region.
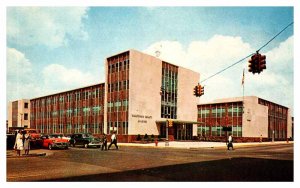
(68, 91)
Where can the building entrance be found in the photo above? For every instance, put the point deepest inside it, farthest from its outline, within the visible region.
(183, 131)
(178, 131)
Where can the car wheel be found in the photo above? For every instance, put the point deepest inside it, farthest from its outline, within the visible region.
(50, 146)
(86, 145)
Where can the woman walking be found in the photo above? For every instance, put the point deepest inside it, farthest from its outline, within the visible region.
(19, 143)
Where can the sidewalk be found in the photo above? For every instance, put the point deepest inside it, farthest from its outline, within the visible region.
(172, 144)
(191, 145)
(32, 153)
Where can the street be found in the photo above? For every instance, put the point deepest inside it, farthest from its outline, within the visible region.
(250, 163)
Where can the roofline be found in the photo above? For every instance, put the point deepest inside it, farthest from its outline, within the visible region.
(67, 91)
(129, 50)
(236, 99)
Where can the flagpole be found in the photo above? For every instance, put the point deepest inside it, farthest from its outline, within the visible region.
(243, 82)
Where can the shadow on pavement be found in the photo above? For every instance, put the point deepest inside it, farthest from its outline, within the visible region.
(235, 169)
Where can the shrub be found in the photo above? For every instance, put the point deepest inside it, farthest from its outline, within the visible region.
(146, 137)
(138, 137)
(152, 137)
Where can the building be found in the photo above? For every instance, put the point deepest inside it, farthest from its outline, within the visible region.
(247, 119)
(19, 113)
(139, 94)
(74, 111)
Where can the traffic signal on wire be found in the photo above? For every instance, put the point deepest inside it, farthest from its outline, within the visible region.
(202, 90)
(257, 63)
(196, 91)
(262, 63)
(253, 64)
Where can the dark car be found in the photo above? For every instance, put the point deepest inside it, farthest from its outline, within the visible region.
(84, 139)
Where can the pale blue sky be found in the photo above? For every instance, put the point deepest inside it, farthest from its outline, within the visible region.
(57, 49)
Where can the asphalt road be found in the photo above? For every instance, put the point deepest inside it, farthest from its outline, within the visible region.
(255, 163)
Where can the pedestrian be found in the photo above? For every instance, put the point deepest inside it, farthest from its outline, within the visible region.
(113, 140)
(230, 141)
(19, 143)
(260, 139)
(104, 142)
(27, 138)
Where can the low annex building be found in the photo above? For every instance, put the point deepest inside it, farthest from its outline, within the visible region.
(246, 118)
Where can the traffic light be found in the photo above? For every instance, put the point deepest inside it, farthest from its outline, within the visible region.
(262, 63)
(257, 63)
(170, 123)
(202, 91)
(252, 66)
(199, 90)
(196, 91)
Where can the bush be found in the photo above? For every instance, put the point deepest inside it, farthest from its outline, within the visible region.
(152, 137)
(146, 137)
(138, 137)
(159, 138)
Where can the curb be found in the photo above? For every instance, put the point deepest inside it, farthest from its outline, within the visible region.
(25, 156)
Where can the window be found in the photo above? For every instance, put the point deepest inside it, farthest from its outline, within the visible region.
(26, 105)
(25, 116)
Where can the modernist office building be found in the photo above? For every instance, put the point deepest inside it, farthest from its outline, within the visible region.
(248, 119)
(139, 94)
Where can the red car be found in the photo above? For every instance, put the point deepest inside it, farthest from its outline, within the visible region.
(55, 141)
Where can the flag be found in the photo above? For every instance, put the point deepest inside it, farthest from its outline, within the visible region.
(243, 78)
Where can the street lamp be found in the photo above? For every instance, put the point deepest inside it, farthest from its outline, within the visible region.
(21, 119)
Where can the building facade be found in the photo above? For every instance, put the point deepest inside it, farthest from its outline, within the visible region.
(139, 94)
(19, 113)
(247, 119)
(74, 111)
(143, 92)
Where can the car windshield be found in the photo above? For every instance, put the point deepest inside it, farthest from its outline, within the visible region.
(55, 136)
(87, 136)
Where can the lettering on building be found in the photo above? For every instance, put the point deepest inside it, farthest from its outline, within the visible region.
(141, 118)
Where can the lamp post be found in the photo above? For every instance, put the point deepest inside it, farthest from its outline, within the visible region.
(167, 133)
(21, 119)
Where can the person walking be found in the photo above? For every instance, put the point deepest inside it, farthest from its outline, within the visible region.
(230, 141)
(104, 142)
(27, 138)
(113, 140)
(19, 143)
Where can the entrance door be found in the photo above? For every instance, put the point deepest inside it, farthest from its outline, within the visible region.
(183, 131)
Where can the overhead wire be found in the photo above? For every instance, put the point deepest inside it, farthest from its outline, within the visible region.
(249, 54)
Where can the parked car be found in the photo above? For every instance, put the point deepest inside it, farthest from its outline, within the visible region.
(55, 141)
(10, 140)
(84, 139)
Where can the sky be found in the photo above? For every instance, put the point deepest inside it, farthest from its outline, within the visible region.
(55, 49)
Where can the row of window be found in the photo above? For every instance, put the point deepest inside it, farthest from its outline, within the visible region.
(122, 85)
(206, 131)
(117, 106)
(119, 66)
(86, 128)
(77, 96)
(68, 112)
(120, 127)
(220, 112)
